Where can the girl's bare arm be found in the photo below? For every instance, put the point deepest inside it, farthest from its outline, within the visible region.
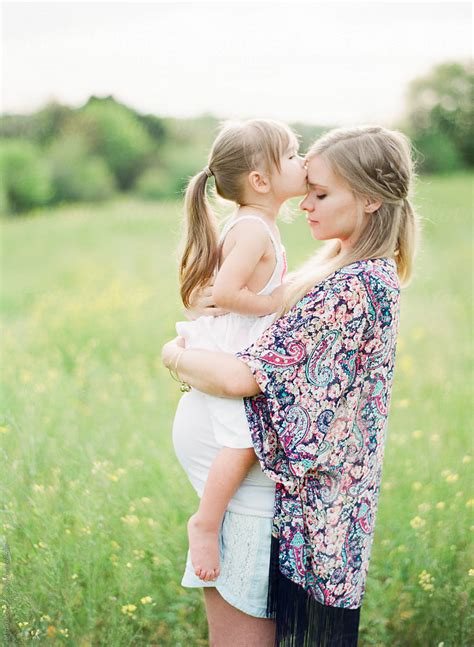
(230, 290)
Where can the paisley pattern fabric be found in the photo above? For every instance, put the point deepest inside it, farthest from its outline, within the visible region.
(325, 370)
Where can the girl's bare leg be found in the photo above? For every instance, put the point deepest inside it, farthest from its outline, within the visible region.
(227, 472)
(230, 627)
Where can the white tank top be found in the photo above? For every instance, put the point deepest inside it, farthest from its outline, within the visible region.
(276, 278)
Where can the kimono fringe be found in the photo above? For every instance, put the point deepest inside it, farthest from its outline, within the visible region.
(302, 621)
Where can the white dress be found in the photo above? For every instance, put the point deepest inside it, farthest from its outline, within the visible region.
(204, 423)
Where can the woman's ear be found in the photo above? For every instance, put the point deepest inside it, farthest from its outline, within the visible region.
(371, 205)
(259, 182)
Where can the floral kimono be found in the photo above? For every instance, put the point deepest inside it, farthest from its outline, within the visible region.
(325, 370)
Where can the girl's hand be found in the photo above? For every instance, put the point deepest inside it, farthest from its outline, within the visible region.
(202, 304)
(170, 351)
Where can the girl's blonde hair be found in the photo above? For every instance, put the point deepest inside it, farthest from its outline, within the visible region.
(240, 148)
(377, 163)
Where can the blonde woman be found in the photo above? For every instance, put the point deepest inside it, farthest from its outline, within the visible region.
(317, 388)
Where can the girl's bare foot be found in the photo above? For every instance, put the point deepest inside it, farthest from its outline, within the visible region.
(204, 547)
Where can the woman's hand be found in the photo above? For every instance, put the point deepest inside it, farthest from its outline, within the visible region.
(170, 351)
(202, 304)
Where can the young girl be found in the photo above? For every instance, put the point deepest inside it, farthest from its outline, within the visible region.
(256, 165)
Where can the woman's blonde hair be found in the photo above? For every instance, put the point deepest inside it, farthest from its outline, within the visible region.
(377, 163)
(240, 147)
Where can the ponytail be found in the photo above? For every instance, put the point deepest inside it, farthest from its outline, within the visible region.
(201, 252)
(407, 240)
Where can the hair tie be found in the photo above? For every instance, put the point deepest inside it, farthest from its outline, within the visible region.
(207, 171)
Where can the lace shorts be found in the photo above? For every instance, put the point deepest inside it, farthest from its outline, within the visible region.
(244, 542)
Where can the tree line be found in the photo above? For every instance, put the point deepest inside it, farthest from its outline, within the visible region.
(61, 154)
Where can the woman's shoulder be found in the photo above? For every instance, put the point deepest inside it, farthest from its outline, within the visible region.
(381, 272)
(363, 281)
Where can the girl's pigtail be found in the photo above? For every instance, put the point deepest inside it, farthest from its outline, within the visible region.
(200, 255)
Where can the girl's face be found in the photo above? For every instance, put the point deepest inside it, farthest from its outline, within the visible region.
(290, 181)
(332, 210)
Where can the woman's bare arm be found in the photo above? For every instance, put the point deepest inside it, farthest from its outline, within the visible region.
(215, 373)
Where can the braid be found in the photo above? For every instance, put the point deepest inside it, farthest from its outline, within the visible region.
(392, 181)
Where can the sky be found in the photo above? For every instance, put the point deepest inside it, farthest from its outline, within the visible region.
(318, 62)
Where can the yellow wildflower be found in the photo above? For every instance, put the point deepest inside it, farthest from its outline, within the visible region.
(128, 609)
(441, 505)
(469, 503)
(64, 632)
(145, 500)
(51, 631)
(466, 459)
(417, 485)
(471, 572)
(115, 545)
(424, 507)
(4, 430)
(406, 615)
(146, 600)
(434, 438)
(451, 478)
(130, 519)
(417, 434)
(426, 581)
(40, 544)
(417, 522)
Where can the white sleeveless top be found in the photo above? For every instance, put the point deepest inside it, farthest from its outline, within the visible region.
(276, 278)
(203, 423)
(233, 332)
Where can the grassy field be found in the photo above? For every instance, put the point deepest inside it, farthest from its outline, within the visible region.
(93, 501)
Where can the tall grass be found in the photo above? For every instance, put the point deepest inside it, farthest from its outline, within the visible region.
(94, 503)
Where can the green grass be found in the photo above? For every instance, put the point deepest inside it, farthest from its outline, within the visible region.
(94, 503)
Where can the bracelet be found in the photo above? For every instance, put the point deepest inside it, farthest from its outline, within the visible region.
(184, 386)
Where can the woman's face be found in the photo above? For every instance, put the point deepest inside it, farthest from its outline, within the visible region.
(332, 211)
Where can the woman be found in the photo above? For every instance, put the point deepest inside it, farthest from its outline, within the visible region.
(321, 379)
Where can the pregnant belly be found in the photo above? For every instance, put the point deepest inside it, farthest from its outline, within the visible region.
(196, 448)
(193, 440)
